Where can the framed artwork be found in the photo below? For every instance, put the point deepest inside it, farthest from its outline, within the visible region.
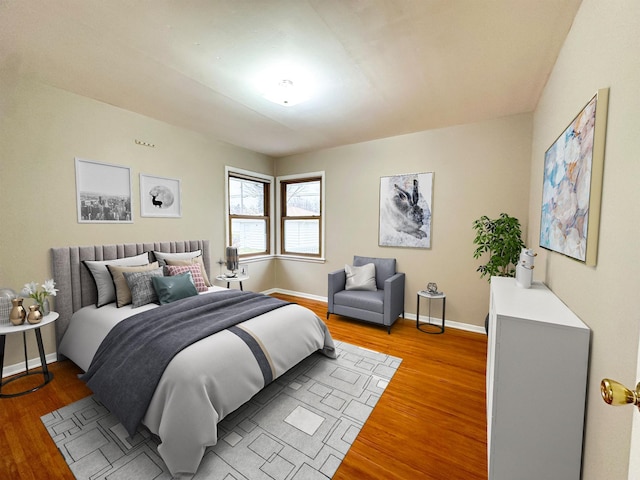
(103, 192)
(160, 197)
(405, 210)
(572, 185)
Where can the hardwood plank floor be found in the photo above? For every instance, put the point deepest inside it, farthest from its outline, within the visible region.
(429, 424)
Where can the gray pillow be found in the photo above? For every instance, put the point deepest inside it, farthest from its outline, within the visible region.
(170, 289)
(141, 286)
(361, 278)
(102, 277)
(123, 294)
(163, 257)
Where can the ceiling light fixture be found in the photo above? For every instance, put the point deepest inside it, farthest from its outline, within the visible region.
(285, 93)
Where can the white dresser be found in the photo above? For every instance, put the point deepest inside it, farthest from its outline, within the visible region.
(537, 363)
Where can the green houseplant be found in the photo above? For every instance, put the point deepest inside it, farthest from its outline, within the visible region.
(501, 238)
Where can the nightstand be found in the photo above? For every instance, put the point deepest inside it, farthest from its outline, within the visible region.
(44, 371)
(239, 278)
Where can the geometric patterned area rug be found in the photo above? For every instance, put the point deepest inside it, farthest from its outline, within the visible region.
(299, 427)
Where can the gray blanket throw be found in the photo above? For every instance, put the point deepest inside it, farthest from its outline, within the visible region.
(131, 359)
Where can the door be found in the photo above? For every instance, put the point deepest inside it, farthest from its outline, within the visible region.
(634, 456)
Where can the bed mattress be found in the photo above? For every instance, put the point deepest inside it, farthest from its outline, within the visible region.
(209, 379)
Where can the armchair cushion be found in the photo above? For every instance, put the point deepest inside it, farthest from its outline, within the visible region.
(370, 301)
(361, 278)
(385, 267)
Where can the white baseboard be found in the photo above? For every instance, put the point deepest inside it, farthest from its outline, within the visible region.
(16, 368)
(409, 316)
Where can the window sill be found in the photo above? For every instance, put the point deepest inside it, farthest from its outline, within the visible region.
(296, 258)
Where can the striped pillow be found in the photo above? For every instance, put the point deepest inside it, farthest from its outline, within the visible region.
(196, 274)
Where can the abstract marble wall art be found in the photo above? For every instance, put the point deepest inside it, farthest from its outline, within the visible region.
(572, 186)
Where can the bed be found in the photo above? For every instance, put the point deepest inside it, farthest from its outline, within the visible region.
(202, 383)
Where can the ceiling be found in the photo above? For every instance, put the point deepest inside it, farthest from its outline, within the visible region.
(379, 68)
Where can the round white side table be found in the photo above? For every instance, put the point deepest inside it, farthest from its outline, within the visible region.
(44, 371)
(239, 278)
(430, 297)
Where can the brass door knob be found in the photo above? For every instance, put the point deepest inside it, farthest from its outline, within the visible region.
(614, 393)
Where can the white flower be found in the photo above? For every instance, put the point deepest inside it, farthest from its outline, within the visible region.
(31, 290)
(49, 287)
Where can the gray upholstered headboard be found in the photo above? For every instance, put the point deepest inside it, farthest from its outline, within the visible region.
(75, 284)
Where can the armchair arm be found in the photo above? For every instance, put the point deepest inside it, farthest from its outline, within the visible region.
(337, 282)
(393, 297)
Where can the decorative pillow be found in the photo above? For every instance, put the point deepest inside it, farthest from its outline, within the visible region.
(170, 289)
(361, 278)
(123, 294)
(195, 260)
(196, 276)
(141, 286)
(102, 277)
(162, 257)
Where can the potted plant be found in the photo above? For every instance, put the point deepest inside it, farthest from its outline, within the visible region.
(501, 239)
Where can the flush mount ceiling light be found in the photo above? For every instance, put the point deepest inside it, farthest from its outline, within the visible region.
(286, 82)
(286, 93)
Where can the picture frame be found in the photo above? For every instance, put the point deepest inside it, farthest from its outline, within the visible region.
(405, 210)
(572, 184)
(160, 196)
(103, 192)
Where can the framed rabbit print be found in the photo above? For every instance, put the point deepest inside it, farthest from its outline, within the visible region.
(405, 210)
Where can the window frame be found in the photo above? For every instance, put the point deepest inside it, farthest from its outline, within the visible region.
(268, 181)
(281, 183)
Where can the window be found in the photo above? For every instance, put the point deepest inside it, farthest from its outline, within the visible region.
(301, 215)
(249, 218)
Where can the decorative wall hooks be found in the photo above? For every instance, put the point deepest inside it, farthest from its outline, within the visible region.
(145, 144)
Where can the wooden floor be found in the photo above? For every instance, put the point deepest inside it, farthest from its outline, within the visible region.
(429, 424)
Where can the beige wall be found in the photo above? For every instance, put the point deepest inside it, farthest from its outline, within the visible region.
(600, 51)
(479, 169)
(44, 128)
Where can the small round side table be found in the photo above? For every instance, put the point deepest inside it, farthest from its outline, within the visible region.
(44, 371)
(430, 297)
(238, 278)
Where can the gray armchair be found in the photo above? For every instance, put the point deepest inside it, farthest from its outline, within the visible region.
(383, 306)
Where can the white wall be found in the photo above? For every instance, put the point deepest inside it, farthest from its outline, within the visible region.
(600, 51)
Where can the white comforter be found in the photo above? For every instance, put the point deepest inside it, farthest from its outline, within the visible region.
(209, 379)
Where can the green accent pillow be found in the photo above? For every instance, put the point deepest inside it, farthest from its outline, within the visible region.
(170, 289)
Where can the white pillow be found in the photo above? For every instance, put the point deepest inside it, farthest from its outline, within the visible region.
(361, 278)
(102, 277)
(162, 257)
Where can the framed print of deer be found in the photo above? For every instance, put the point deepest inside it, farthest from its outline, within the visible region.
(160, 196)
(405, 210)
